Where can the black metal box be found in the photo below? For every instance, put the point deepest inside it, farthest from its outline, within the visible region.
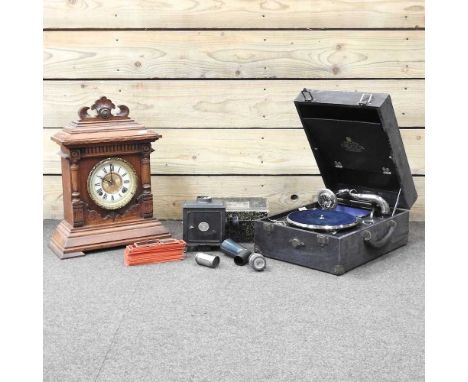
(240, 216)
(357, 145)
(203, 222)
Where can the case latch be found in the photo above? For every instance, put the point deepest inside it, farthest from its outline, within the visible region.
(322, 240)
(365, 99)
(296, 243)
(307, 95)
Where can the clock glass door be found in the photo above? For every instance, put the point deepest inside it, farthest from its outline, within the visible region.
(112, 183)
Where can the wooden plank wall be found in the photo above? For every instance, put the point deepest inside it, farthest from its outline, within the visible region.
(217, 79)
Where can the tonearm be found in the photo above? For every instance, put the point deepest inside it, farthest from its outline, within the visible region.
(370, 198)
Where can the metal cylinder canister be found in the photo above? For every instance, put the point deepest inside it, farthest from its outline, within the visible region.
(206, 259)
(235, 250)
(242, 255)
(257, 262)
(242, 258)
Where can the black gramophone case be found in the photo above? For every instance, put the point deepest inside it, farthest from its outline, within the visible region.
(357, 145)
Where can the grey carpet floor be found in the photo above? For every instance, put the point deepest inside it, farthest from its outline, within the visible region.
(183, 322)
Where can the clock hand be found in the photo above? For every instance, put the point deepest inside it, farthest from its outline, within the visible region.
(112, 179)
(104, 180)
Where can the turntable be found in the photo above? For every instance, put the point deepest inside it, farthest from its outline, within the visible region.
(322, 220)
(332, 216)
(363, 212)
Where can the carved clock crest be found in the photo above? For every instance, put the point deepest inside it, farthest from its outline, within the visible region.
(106, 180)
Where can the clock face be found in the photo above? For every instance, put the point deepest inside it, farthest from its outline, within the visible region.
(112, 183)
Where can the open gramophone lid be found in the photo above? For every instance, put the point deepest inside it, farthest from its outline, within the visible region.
(327, 220)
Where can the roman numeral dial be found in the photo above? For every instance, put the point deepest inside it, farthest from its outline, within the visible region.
(112, 183)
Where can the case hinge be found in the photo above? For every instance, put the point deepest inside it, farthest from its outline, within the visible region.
(365, 99)
(268, 227)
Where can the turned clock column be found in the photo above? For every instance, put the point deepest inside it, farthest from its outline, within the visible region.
(77, 203)
(146, 196)
(106, 178)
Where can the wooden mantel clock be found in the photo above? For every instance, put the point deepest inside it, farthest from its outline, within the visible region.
(106, 181)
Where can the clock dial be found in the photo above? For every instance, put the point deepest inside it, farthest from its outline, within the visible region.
(112, 183)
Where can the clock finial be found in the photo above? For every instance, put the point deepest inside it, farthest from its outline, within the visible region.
(103, 107)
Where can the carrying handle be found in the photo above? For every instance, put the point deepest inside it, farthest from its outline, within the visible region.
(204, 199)
(365, 99)
(307, 95)
(374, 243)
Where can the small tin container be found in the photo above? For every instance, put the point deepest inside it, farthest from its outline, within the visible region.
(235, 250)
(257, 262)
(206, 259)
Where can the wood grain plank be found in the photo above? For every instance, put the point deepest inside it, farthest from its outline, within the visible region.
(234, 14)
(234, 54)
(171, 191)
(215, 103)
(228, 151)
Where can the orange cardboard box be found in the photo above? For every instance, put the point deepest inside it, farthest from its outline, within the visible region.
(154, 251)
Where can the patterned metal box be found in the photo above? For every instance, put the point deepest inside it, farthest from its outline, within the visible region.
(240, 216)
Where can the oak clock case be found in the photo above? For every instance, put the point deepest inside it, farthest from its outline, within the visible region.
(106, 179)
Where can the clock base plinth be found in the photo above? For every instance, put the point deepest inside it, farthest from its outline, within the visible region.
(68, 241)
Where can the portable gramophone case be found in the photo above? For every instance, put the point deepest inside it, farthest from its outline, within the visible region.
(357, 145)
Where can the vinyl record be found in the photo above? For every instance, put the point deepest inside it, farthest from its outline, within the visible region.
(325, 220)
